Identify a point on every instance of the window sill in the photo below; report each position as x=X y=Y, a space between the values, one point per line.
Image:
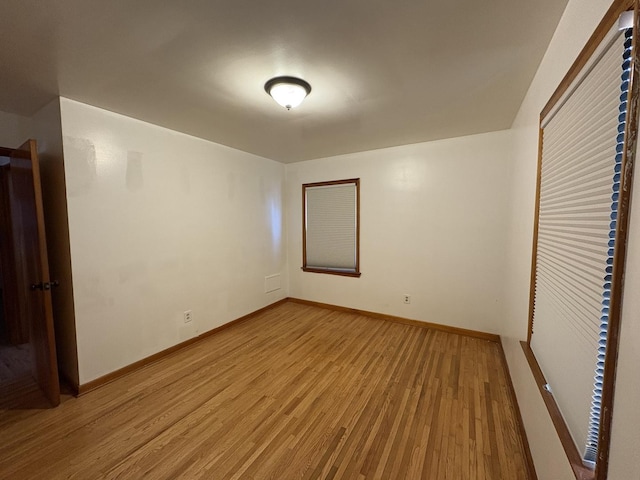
x=331 y=272
x=579 y=470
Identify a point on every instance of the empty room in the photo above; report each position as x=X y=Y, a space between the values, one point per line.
x=344 y=240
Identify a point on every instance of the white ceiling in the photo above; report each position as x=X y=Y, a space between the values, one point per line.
x=383 y=72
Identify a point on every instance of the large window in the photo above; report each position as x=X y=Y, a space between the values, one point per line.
x=587 y=143
x=331 y=227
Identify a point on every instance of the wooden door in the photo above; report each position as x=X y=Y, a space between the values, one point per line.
x=16 y=328
x=33 y=285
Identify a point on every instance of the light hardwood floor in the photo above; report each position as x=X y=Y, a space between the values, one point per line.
x=296 y=392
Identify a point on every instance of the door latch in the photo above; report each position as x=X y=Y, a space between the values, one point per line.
x=45 y=285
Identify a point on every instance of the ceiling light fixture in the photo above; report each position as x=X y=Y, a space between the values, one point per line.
x=287 y=91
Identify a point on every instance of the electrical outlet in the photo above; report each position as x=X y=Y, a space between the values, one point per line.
x=187 y=316
x=406 y=298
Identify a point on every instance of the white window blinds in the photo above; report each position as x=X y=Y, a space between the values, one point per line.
x=577 y=211
x=331 y=227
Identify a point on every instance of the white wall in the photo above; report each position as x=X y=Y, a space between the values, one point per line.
x=625 y=442
x=14 y=130
x=432 y=222
x=161 y=222
x=577 y=24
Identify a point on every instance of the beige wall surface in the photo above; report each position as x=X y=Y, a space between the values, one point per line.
x=160 y=223
x=14 y=130
x=625 y=440
x=433 y=217
x=577 y=24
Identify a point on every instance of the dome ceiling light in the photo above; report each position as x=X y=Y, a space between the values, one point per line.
x=287 y=91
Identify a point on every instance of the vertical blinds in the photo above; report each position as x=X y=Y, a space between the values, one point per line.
x=331 y=215
x=574 y=247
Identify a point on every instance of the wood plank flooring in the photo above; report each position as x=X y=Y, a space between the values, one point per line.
x=15 y=362
x=298 y=392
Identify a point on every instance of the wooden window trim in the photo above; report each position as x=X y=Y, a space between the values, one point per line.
x=622 y=227
x=331 y=272
x=608 y=21
x=306 y=268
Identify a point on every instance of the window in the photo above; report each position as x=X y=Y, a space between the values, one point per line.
x=587 y=143
x=331 y=227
